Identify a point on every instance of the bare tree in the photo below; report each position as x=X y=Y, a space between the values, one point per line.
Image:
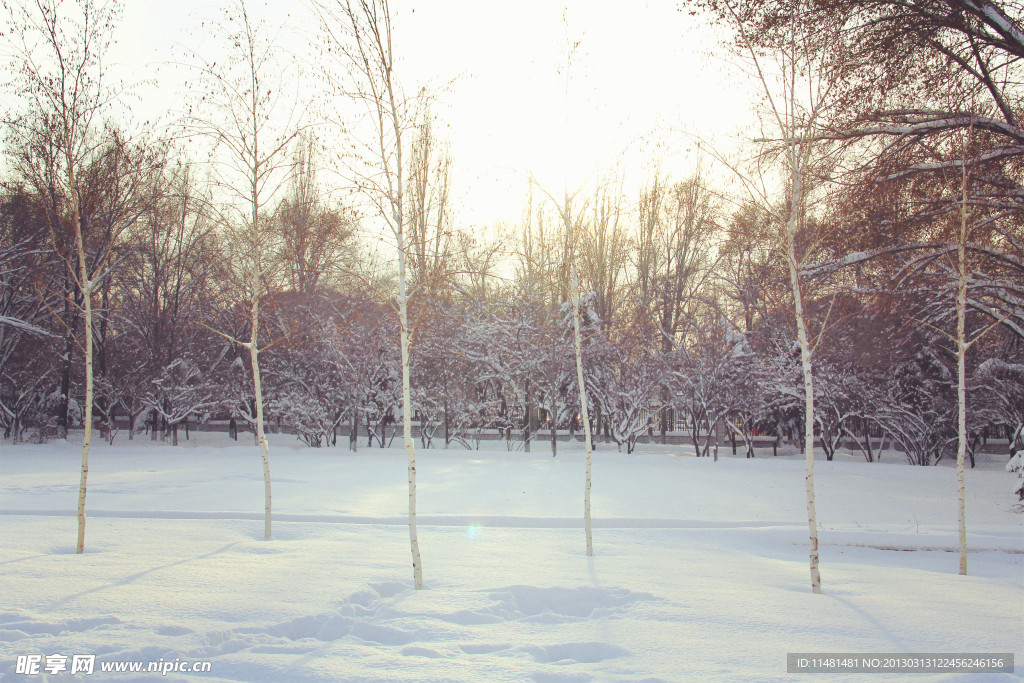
x=316 y=238
x=360 y=35
x=927 y=74
x=961 y=265
x=748 y=273
x=572 y=223
x=798 y=88
x=674 y=259
x=167 y=268
x=25 y=336
x=603 y=253
x=91 y=180
x=245 y=110
x=429 y=239
x=540 y=254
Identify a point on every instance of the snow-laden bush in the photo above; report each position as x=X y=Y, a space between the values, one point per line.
x=624 y=380
x=183 y=390
x=313 y=419
x=1016 y=466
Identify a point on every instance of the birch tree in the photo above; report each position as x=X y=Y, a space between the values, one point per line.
x=929 y=71
x=570 y=220
x=91 y=179
x=962 y=344
x=247 y=107
x=961 y=264
x=964 y=259
x=798 y=87
x=359 y=33
x=576 y=302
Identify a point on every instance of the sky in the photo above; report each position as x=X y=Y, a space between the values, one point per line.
x=644 y=78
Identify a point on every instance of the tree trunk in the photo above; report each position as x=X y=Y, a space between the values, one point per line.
x=664 y=415
x=447 y=434
x=410 y=449
x=111 y=423
x=961 y=380
x=87 y=417
x=717 y=430
x=87 y=411
x=261 y=437
x=353 y=434
x=554 y=430
x=71 y=318
x=578 y=342
x=867 y=439
x=805 y=363
x=527 y=417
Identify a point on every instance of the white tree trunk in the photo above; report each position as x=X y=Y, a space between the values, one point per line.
x=961 y=395
x=578 y=341
x=398 y=215
x=805 y=363
x=961 y=379
x=86 y=287
x=372 y=60
x=261 y=436
x=812 y=515
x=797 y=129
x=584 y=415
x=87 y=416
x=410 y=448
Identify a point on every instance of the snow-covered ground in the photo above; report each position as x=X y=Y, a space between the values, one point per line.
x=700 y=567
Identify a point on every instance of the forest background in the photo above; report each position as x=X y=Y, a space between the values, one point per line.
x=235 y=255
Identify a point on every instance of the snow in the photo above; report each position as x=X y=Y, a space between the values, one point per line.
x=700 y=568
x=19 y=324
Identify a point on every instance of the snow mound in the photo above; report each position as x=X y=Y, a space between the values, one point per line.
x=16 y=627
x=561 y=605
x=575 y=653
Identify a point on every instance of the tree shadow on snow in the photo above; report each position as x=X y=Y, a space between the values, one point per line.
x=131 y=578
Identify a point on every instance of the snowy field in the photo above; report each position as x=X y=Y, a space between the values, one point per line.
x=700 y=568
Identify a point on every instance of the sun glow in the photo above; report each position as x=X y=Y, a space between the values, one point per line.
x=562 y=96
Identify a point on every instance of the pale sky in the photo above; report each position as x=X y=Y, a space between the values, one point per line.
x=643 y=73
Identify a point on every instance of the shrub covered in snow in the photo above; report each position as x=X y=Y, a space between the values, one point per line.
x=1016 y=466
